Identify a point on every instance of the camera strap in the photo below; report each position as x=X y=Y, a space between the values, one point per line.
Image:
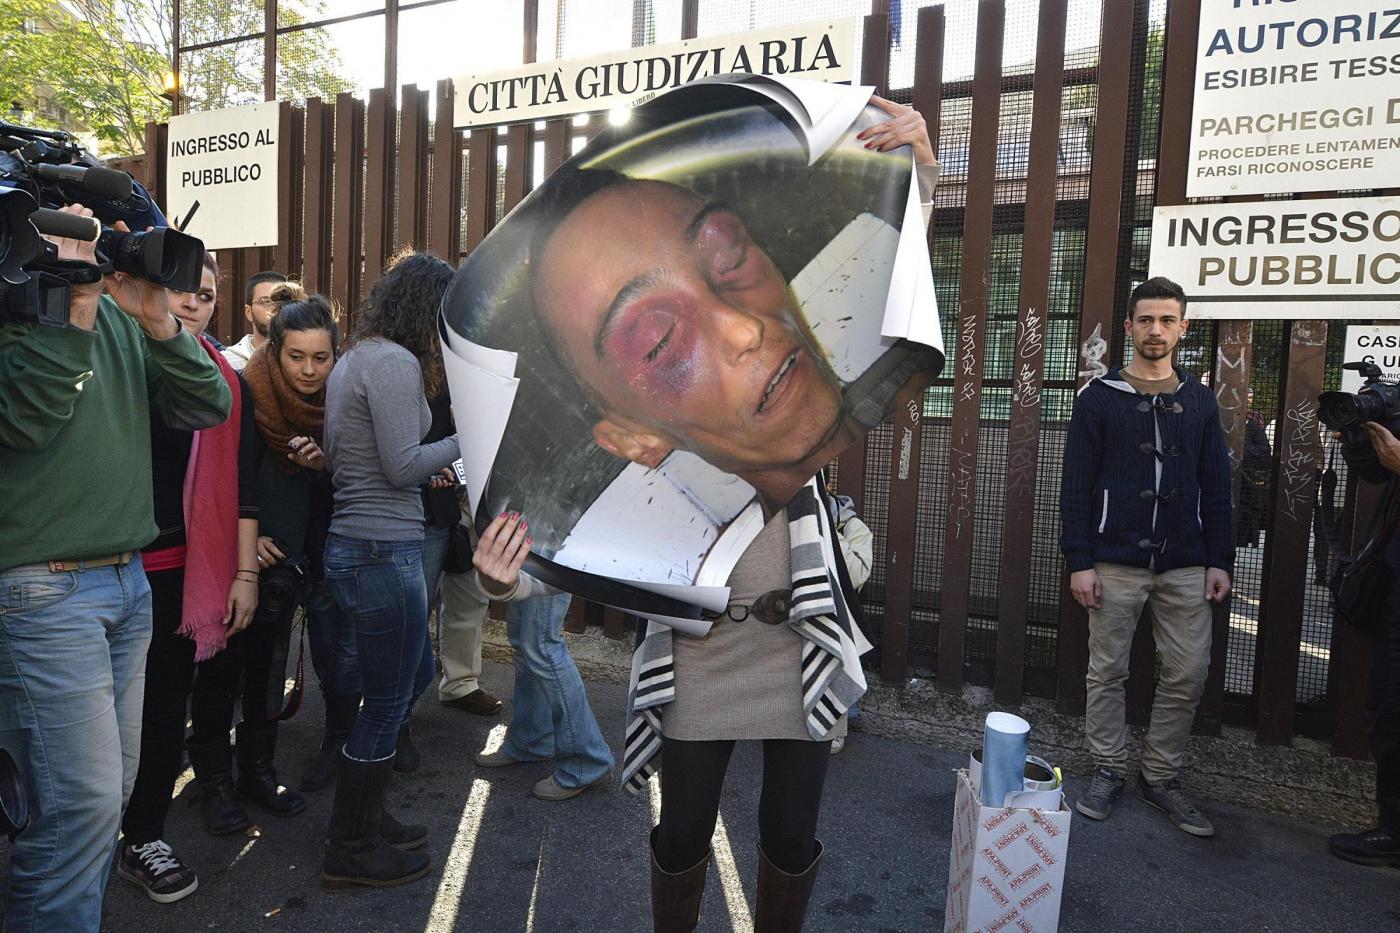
x=74 y=271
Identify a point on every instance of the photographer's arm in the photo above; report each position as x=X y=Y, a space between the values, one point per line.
x=1213 y=479
x=43 y=369
x=1363 y=458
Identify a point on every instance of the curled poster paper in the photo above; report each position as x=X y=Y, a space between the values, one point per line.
x=687 y=320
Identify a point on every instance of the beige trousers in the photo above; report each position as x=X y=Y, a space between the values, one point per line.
x=461 y=613
x=1181 y=622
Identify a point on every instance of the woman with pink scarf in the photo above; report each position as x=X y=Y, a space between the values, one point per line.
x=204 y=587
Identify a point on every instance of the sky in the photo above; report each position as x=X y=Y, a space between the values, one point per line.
x=455 y=38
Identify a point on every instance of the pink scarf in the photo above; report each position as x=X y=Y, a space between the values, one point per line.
x=211 y=523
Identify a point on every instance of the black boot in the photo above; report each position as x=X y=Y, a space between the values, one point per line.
x=354 y=852
x=404 y=836
x=406 y=757
x=213 y=770
x=676 y=896
x=257 y=778
x=782 y=898
x=341 y=711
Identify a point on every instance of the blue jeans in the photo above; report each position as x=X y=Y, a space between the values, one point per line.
x=72 y=676
x=379 y=587
x=550 y=714
x=332 y=638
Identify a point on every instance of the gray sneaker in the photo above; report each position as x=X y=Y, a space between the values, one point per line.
x=1171 y=799
x=1097 y=802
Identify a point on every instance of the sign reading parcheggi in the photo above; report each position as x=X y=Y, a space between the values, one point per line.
x=225 y=162
x=1295 y=95
x=821 y=51
x=1283 y=259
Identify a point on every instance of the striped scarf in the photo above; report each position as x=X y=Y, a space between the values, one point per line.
x=831 y=679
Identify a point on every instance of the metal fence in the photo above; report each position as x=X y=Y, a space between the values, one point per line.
x=1052 y=168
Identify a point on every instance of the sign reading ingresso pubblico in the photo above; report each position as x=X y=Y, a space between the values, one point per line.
x=1295 y=95
x=823 y=51
x=1335 y=259
x=221 y=175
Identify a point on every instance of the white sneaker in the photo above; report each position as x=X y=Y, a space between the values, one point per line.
x=837 y=745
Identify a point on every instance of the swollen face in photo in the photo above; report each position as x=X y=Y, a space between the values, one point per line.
x=683 y=332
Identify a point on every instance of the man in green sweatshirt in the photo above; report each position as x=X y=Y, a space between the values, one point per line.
x=75 y=608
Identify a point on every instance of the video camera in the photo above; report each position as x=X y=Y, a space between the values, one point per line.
x=1377 y=401
x=42 y=170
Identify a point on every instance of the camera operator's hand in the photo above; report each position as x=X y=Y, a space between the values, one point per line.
x=1386 y=445
x=1217 y=585
x=82 y=299
x=145 y=301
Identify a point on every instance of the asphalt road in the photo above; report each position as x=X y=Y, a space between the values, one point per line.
x=504 y=861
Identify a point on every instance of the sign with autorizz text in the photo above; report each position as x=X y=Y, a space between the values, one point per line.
x=1337 y=258
x=823 y=51
x=1371 y=343
x=221 y=175
x=1295 y=95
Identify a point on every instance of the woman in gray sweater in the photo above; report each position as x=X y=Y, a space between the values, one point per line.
x=376 y=416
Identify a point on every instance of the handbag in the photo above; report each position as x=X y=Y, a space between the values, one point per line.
x=1361 y=583
x=459 y=550
x=278 y=597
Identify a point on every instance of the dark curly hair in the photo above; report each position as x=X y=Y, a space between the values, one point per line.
x=403 y=306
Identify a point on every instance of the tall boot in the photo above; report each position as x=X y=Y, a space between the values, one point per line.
x=401 y=835
x=257 y=778
x=406 y=755
x=213 y=771
x=355 y=854
x=342 y=709
x=782 y=898
x=676 y=896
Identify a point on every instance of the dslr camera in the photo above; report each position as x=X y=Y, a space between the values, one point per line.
x=1377 y=401
x=43 y=170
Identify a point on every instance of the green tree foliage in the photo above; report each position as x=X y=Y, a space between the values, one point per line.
x=308 y=64
x=104 y=62
x=101 y=74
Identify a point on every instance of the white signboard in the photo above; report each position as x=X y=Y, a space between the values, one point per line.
x=1372 y=343
x=221 y=176
x=823 y=51
x=1295 y=95
x=1336 y=258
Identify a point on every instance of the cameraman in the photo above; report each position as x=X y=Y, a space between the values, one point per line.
x=1377 y=460
x=75 y=608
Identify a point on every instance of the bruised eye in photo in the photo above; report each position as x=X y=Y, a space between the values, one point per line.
x=727 y=251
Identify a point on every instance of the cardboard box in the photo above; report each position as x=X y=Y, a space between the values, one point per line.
x=1007 y=867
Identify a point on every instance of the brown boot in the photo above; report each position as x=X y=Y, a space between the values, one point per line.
x=675 y=898
x=782 y=898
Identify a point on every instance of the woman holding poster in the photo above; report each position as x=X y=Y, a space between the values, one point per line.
x=684 y=334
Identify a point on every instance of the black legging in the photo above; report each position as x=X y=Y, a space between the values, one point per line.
x=692 y=775
x=169 y=672
x=243 y=669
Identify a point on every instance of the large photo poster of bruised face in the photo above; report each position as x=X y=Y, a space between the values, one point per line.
x=683 y=324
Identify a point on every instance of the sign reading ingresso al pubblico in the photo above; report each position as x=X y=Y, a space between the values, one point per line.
x=1295 y=95
x=1337 y=258
x=823 y=51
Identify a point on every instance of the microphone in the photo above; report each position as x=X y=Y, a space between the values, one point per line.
x=60 y=223
x=106 y=182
